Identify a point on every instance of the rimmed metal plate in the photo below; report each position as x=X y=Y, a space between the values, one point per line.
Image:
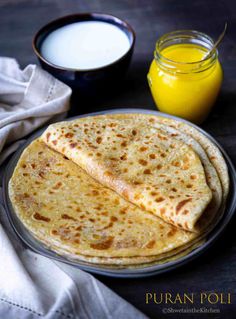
x=150 y=270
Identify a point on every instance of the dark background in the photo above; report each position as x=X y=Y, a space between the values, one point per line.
x=215 y=271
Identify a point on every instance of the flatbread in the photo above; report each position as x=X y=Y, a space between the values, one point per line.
x=40 y=201
x=141 y=163
x=211 y=150
x=214 y=154
x=40 y=169
x=213 y=178
x=134 y=262
x=64 y=207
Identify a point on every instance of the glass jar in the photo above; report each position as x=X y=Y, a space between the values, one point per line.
x=182 y=81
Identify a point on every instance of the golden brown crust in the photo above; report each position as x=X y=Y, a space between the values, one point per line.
x=60 y=204
x=149 y=157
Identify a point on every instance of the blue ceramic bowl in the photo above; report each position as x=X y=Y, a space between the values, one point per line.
x=91 y=81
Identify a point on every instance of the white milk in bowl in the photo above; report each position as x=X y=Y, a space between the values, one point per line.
x=85 y=45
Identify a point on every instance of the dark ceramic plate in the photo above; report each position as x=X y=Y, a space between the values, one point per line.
x=150 y=270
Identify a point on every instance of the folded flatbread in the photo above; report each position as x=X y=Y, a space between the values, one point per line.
x=212 y=151
x=142 y=163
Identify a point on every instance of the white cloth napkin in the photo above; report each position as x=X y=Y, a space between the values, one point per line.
x=33 y=286
x=28 y=99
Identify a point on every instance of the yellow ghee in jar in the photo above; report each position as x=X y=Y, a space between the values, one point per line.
x=190 y=88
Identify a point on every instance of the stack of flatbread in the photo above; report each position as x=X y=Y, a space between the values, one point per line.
x=121 y=190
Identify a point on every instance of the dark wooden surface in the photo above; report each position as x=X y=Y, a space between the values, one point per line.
x=19 y=20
